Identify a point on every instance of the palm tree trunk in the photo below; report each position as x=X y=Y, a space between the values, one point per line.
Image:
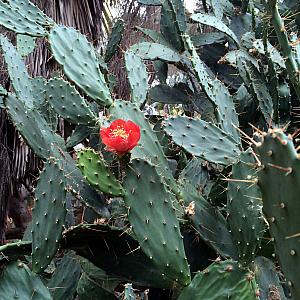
x=5 y=177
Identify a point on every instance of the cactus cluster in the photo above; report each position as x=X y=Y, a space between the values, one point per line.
x=211 y=177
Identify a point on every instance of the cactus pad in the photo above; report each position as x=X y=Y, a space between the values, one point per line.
x=154 y=222
x=18 y=282
x=97 y=174
x=64 y=280
x=68 y=103
x=203 y=139
x=17 y=71
x=13 y=19
x=137 y=76
x=279 y=182
x=72 y=50
x=48 y=215
x=244 y=207
x=222 y=280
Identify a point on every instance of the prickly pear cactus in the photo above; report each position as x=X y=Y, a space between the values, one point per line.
x=244 y=207
x=18 y=282
x=222 y=280
x=182 y=204
x=97 y=174
x=152 y=216
x=69 y=47
x=48 y=216
x=278 y=180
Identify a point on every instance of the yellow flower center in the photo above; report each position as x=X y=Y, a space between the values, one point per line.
x=119 y=131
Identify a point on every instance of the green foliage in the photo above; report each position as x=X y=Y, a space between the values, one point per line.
x=267 y=278
x=215 y=23
x=209 y=222
x=154 y=51
x=258 y=88
x=153 y=219
x=13 y=251
x=79 y=134
x=163 y=93
x=48 y=215
x=93 y=276
x=69 y=48
x=222 y=280
x=64 y=280
x=79 y=187
x=41 y=93
x=115 y=39
x=90 y=289
x=18 y=282
x=17 y=71
x=97 y=174
x=196 y=173
x=33 y=127
x=12 y=17
x=137 y=76
x=216 y=92
x=25 y=44
x=244 y=207
x=287 y=47
x=204 y=39
x=32 y=12
x=188 y=192
x=203 y=139
x=154 y=36
x=278 y=181
x=173 y=22
x=68 y=103
x=110 y=248
x=150 y=2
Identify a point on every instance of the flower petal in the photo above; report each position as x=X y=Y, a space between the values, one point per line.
x=117 y=123
x=118 y=143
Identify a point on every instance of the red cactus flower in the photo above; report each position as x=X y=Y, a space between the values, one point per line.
x=121 y=136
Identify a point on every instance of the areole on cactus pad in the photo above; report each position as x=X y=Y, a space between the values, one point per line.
x=121 y=136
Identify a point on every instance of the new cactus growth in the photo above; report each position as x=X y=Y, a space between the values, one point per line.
x=97 y=174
